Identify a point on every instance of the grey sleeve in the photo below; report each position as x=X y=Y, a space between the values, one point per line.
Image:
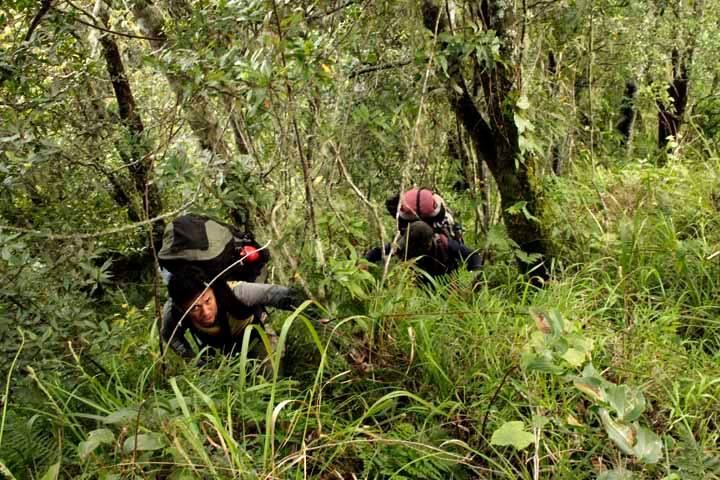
x=173 y=334
x=268 y=295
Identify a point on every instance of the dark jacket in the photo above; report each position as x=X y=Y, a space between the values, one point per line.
x=446 y=256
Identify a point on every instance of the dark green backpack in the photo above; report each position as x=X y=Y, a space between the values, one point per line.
x=213 y=246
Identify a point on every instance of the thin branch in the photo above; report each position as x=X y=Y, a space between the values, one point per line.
x=44 y=8
x=376 y=68
x=331 y=11
x=111 y=231
x=492 y=400
x=103 y=29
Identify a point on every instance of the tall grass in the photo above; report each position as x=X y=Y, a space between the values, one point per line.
x=415 y=386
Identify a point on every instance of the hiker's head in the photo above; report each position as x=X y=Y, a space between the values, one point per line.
x=419 y=203
x=188 y=290
x=417 y=240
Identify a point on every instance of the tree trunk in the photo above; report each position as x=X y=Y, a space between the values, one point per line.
x=555 y=154
x=137 y=154
x=670 y=116
x=627 y=114
x=497 y=140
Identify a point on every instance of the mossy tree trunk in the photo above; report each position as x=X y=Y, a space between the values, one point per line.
x=496 y=139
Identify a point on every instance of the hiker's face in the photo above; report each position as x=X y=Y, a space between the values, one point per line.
x=204 y=310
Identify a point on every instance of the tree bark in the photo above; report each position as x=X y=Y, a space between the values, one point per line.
x=670 y=115
x=627 y=113
x=137 y=154
x=497 y=140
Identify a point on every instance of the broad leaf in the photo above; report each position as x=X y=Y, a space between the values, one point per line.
x=615 y=474
x=648 y=448
x=95 y=439
x=121 y=416
x=512 y=433
x=531 y=361
x=574 y=357
x=623 y=435
x=145 y=442
x=628 y=404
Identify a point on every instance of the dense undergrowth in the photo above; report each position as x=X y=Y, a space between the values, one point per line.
x=408 y=382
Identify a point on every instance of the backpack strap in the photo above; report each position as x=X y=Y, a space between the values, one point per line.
x=417 y=202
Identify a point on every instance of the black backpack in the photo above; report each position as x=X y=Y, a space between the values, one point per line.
x=211 y=245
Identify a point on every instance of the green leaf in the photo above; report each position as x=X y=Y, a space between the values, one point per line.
x=590 y=387
x=513 y=434
x=628 y=403
x=648 y=448
x=145 y=442
x=523 y=103
x=539 y=421
x=591 y=383
x=623 y=435
x=531 y=361
x=121 y=416
x=574 y=357
x=95 y=439
x=52 y=472
x=615 y=474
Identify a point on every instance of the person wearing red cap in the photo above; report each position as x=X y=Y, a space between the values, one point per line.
x=426 y=205
x=428 y=234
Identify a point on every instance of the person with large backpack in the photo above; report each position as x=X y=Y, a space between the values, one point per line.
x=210 y=267
x=213 y=246
x=434 y=253
x=426 y=205
x=428 y=233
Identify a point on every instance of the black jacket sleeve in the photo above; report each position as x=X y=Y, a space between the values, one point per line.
x=374 y=255
x=472 y=258
x=174 y=334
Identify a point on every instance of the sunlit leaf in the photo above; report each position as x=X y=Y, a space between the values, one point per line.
x=615 y=474
x=628 y=403
x=574 y=357
x=623 y=435
x=512 y=434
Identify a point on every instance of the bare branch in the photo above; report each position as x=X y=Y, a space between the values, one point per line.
x=376 y=68
x=44 y=8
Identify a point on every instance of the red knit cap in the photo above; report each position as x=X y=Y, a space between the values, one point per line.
x=420 y=202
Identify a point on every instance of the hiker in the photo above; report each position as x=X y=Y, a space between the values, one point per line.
x=217 y=248
x=426 y=205
x=436 y=253
x=217 y=314
x=199 y=256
